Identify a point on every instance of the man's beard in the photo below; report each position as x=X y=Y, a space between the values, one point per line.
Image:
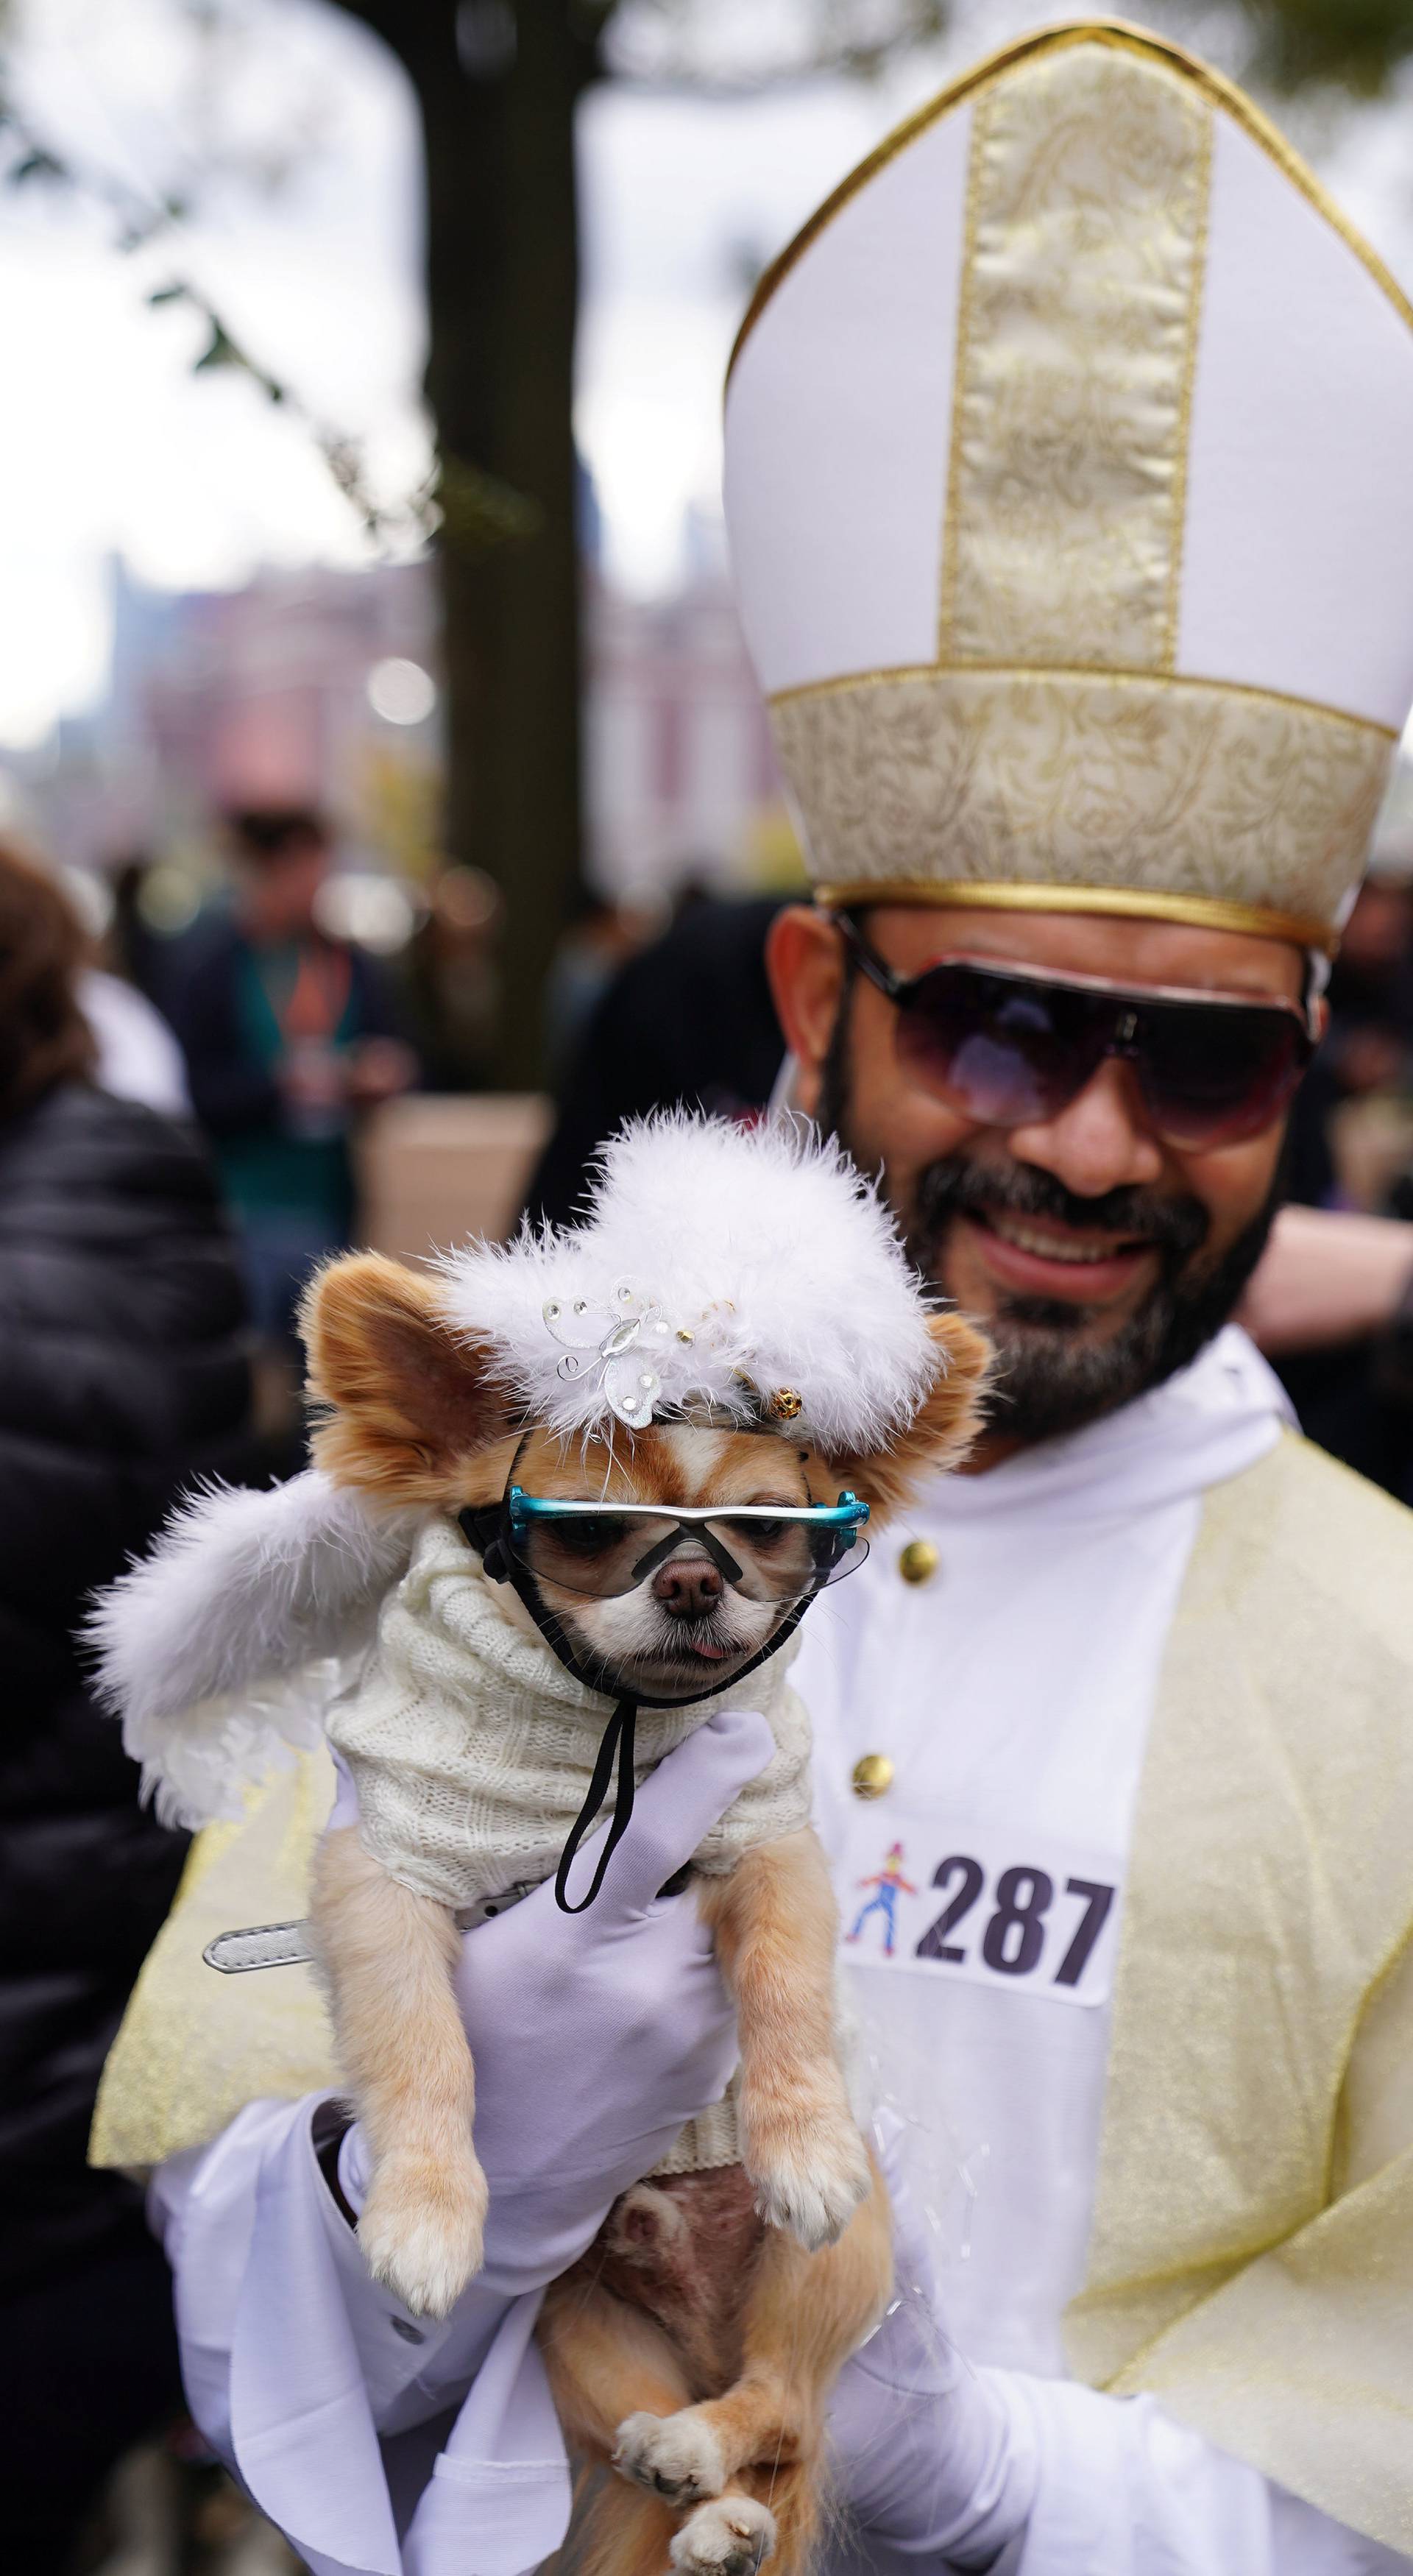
x=1049 y=1378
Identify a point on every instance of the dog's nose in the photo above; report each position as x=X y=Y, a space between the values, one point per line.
x=687 y=1585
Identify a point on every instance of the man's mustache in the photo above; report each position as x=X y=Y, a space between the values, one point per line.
x=956 y=1185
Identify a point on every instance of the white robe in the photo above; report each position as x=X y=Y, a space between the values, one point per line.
x=1013 y=1693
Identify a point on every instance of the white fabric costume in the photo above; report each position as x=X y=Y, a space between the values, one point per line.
x=1014 y=1693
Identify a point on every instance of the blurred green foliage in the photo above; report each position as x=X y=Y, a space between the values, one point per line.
x=1358 y=43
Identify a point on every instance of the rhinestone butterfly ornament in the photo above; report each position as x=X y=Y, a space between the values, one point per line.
x=621 y=1342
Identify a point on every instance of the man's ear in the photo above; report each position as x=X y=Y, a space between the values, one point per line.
x=941 y=1431
x=804 y=960
x=411 y=1397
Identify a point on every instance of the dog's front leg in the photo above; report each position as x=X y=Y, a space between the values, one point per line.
x=389 y=1955
x=776 y=1933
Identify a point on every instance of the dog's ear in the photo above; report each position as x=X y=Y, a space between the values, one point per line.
x=411 y=1397
x=941 y=1431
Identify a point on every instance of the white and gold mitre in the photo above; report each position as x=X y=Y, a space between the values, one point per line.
x=1069 y=480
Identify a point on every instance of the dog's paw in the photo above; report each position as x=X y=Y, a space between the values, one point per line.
x=677 y=2456
x=731 y=2537
x=810 y=2174
x=422 y=2226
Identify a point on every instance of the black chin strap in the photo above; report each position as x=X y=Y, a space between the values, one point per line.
x=616 y=1744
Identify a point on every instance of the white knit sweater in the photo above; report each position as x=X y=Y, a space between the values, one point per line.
x=471 y=1750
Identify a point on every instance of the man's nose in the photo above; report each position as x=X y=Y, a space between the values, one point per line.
x=687 y=1585
x=1101 y=1140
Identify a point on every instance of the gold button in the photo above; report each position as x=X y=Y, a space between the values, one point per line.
x=872 y=1775
x=919 y=1561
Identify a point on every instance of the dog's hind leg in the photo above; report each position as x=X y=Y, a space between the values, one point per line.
x=388 y=1955
x=605 y=2359
x=804 y=2315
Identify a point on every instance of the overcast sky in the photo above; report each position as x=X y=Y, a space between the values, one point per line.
x=107 y=441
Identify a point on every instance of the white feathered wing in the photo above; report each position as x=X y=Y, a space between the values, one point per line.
x=221 y=1651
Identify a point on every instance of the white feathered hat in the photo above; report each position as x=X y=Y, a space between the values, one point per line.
x=745 y=1269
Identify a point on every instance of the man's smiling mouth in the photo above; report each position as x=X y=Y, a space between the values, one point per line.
x=1049 y=1246
x=1022 y=1255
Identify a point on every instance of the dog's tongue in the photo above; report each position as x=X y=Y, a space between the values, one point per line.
x=711 y=1654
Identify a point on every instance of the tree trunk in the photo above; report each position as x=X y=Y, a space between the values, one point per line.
x=502 y=286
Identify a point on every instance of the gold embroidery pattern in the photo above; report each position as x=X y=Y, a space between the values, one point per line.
x=1081 y=283
x=1086 y=780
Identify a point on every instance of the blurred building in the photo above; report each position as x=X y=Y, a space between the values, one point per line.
x=302 y=687
x=320 y=686
x=681 y=779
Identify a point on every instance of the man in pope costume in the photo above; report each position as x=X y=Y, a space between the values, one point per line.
x=1070 y=491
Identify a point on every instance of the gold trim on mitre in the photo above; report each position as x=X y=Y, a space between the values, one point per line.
x=1195 y=912
x=1127 y=792
x=1111 y=672
x=1125 y=36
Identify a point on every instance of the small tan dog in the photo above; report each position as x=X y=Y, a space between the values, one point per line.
x=628 y=1476
x=694 y=2394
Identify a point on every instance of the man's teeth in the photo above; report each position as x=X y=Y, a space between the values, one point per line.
x=1051 y=1247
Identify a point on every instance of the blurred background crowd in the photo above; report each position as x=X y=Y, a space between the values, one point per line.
x=386 y=808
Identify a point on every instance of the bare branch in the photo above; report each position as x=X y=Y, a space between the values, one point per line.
x=774 y=82
x=854 y=39
x=141 y=220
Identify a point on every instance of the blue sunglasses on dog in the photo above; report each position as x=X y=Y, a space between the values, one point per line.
x=766 y=1551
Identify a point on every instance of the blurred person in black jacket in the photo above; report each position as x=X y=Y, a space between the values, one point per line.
x=687 y=1023
x=122 y=1373
x=1354 y=1395
x=288 y=1034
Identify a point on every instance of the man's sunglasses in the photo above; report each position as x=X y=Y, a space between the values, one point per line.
x=1009 y=1046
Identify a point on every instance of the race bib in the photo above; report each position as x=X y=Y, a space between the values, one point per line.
x=989 y=1903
